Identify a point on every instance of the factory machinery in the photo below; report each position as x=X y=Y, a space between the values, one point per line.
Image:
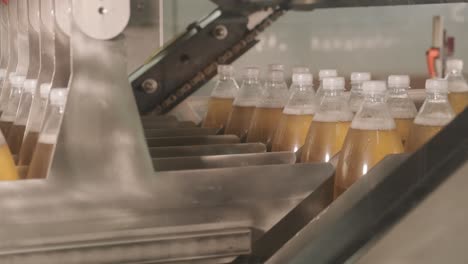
x=128 y=187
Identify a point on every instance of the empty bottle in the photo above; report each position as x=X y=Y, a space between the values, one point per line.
x=356 y=97
x=222 y=97
x=269 y=109
x=45 y=148
x=18 y=129
x=322 y=75
x=457 y=86
x=244 y=104
x=297 y=115
x=34 y=126
x=330 y=124
x=8 y=170
x=434 y=114
x=370 y=139
x=9 y=113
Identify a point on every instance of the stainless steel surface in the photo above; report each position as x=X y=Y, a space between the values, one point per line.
x=168 y=124
x=180 y=132
x=4 y=40
x=187 y=151
x=23 y=37
x=33 y=37
x=192 y=141
x=223 y=161
x=62 y=71
x=150 y=118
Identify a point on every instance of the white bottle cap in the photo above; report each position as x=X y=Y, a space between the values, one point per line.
x=44 y=90
x=437 y=86
x=58 y=96
x=252 y=72
x=276 y=67
x=17 y=80
x=360 y=76
x=300 y=69
x=30 y=85
x=374 y=87
x=302 y=78
x=277 y=76
x=327 y=73
x=399 y=81
x=454 y=64
x=227 y=70
x=333 y=83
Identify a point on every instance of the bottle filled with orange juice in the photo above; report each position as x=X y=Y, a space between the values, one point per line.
x=45 y=148
x=244 y=104
x=9 y=113
x=34 y=125
x=269 y=109
x=297 y=114
x=322 y=75
x=370 y=139
x=457 y=86
x=356 y=97
x=18 y=129
x=401 y=107
x=434 y=114
x=8 y=170
x=222 y=97
x=330 y=124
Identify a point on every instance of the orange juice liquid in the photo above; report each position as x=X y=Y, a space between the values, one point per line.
x=15 y=138
x=5 y=127
x=8 y=170
x=291 y=132
x=218 y=112
x=263 y=126
x=27 y=148
x=403 y=126
x=420 y=135
x=40 y=163
x=458 y=101
x=239 y=121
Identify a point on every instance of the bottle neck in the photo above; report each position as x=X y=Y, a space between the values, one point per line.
x=455 y=73
x=251 y=81
x=436 y=97
x=303 y=87
x=374 y=98
x=225 y=77
x=356 y=86
x=397 y=91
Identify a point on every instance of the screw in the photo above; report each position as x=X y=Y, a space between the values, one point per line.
x=150 y=86
x=220 y=32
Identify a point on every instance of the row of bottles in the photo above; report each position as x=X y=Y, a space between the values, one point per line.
x=358 y=131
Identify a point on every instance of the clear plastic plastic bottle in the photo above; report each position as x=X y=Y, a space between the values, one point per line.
x=401 y=106
x=322 y=75
x=370 y=139
x=8 y=170
x=244 y=104
x=268 y=109
x=434 y=114
x=45 y=148
x=18 y=129
x=330 y=124
x=3 y=73
x=222 y=97
x=356 y=97
x=297 y=115
x=457 y=85
x=34 y=126
x=296 y=71
x=9 y=113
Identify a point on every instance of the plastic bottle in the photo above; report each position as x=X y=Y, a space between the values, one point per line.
x=434 y=114
x=34 y=126
x=18 y=129
x=45 y=148
x=330 y=124
x=244 y=104
x=8 y=170
x=296 y=71
x=9 y=113
x=269 y=109
x=356 y=97
x=457 y=85
x=297 y=115
x=371 y=138
x=322 y=75
x=222 y=97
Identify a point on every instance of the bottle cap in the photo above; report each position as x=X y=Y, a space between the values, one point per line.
x=454 y=64
x=276 y=76
x=327 y=73
x=227 y=70
x=300 y=69
x=44 y=90
x=399 y=81
x=334 y=83
x=30 y=85
x=437 y=85
x=374 y=87
x=58 y=96
x=276 y=67
x=252 y=72
x=17 y=80
x=360 y=76
x=302 y=78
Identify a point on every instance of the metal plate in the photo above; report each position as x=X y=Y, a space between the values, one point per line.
x=180 y=132
x=192 y=141
x=223 y=161
x=158 y=118
x=167 y=124
x=187 y=151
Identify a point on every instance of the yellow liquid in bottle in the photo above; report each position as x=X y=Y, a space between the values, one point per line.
x=291 y=132
x=27 y=148
x=5 y=127
x=325 y=140
x=239 y=121
x=362 y=150
x=8 y=170
x=218 y=112
x=420 y=135
x=458 y=101
x=263 y=126
x=403 y=126
x=15 y=138
x=41 y=161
